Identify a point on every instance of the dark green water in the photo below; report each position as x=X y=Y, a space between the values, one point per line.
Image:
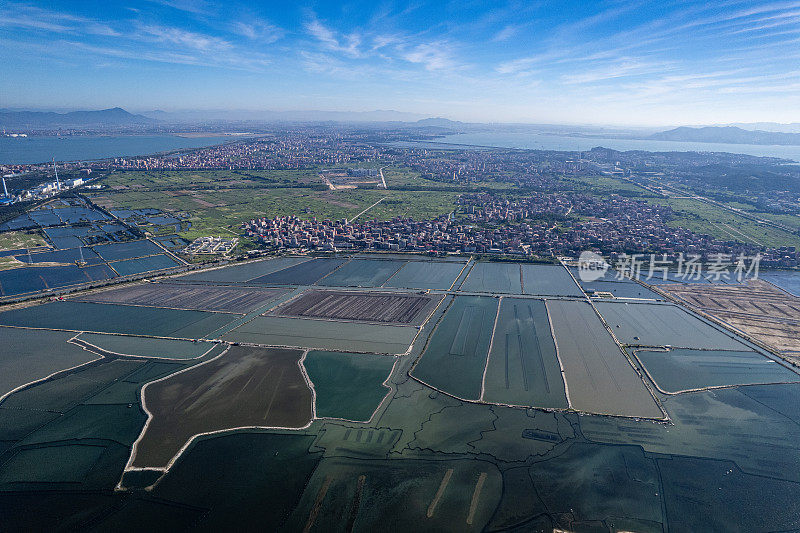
x=727 y=460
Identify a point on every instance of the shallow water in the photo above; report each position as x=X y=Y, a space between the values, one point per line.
x=27 y=150
x=543 y=141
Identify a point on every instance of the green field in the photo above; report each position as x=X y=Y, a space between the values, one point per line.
x=702 y=217
x=166 y=180
x=607 y=185
x=9 y=262
x=221 y=212
x=405 y=178
x=217 y=202
x=14 y=240
x=725 y=225
x=792 y=221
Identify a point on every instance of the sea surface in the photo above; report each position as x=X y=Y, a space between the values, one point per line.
x=543 y=141
x=26 y=150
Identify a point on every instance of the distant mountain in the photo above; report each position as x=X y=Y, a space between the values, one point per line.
x=227 y=115
x=793 y=127
x=156 y=114
x=438 y=121
x=727 y=135
x=44 y=119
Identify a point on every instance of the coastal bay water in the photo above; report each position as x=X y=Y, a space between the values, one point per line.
x=27 y=150
x=544 y=141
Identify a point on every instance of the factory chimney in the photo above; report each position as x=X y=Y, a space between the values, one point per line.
x=58 y=183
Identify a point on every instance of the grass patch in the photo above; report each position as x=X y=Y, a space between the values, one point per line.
x=14 y=240
x=9 y=262
x=605 y=186
x=704 y=218
x=213 y=179
x=220 y=211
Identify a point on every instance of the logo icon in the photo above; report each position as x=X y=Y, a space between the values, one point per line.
x=591 y=266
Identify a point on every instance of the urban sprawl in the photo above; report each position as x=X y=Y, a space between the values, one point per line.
x=543 y=218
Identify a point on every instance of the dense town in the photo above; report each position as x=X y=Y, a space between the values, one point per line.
x=538 y=226
x=320 y=147
x=545 y=217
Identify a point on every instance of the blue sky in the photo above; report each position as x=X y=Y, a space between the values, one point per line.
x=613 y=62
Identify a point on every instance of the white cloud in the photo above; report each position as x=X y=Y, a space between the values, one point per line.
x=434 y=56
x=197 y=7
x=223 y=60
x=516 y=65
x=347 y=44
x=618 y=69
x=184 y=38
x=506 y=33
x=35 y=18
x=258 y=30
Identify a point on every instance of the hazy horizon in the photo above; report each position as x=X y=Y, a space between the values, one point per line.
x=605 y=63
x=237 y=115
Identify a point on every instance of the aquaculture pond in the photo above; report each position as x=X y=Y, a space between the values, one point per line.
x=680 y=369
x=243 y=272
x=494 y=278
x=348 y=385
x=324 y=334
x=455 y=356
x=425 y=275
x=362 y=273
x=523 y=368
x=647 y=324
x=495 y=412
